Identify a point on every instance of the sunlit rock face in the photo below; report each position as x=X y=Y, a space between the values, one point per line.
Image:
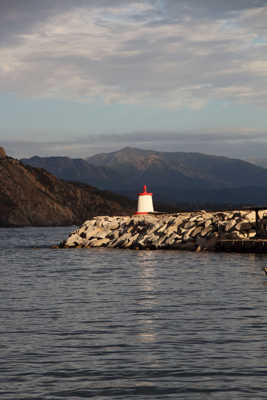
x=33 y=197
x=188 y=231
x=2 y=152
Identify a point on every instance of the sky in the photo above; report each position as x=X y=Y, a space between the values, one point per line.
x=80 y=77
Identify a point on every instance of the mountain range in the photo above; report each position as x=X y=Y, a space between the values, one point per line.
x=174 y=177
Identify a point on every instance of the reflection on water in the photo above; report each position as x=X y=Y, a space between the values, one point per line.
x=121 y=324
x=146 y=260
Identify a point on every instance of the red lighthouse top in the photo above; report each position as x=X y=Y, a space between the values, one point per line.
x=145 y=193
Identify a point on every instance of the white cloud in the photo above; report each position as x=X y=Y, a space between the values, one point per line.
x=141 y=53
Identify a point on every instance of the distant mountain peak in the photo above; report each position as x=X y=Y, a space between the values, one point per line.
x=172 y=176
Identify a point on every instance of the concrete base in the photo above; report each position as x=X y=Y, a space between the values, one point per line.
x=243 y=246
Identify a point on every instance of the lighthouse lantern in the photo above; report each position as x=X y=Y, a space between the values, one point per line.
x=145 y=202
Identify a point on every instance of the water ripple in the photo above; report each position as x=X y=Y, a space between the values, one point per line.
x=112 y=324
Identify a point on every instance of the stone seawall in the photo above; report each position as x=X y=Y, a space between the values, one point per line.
x=186 y=231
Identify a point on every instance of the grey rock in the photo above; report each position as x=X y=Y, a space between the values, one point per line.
x=187 y=235
x=189 y=224
x=163 y=229
x=252 y=233
x=206 y=231
x=171 y=229
x=238 y=235
x=74 y=238
x=100 y=242
x=196 y=232
x=114 y=225
x=230 y=225
x=131 y=242
x=251 y=216
x=243 y=226
x=208 y=223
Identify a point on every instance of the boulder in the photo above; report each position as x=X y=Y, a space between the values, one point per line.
x=189 y=224
x=171 y=229
x=252 y=233
x=238 y=235
x=251 y=216
x=243 y=226
x=230 y=225
x=196 y=231
x=99 y=242
x=187 y=234
x=208 y=223
x=206 y=231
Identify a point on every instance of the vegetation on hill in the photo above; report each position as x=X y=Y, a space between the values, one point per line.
x=33 y=196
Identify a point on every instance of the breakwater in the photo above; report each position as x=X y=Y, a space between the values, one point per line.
x=196 y=231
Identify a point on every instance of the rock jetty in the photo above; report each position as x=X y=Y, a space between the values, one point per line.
x=186 y=231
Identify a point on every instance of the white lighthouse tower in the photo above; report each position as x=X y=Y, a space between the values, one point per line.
x=145 y=202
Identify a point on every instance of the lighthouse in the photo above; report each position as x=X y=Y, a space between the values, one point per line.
x=145 y=202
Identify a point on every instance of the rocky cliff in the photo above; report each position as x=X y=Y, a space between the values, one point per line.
x=32 y=196
x=2 y=152
x=187 y=231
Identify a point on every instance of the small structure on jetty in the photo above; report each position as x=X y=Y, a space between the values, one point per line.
x=252 y=244
x=261 y=222
x=145 y=202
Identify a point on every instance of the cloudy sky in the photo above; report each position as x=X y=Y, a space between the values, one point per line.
x=79 y=77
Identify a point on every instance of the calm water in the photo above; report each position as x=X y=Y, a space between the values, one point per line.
x=119 y=324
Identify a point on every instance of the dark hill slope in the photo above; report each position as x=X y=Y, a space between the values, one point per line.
x=32 y=196
x=195 y=168
x=190 y=177
x=72 y=169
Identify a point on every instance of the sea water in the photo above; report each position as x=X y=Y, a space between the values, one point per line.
x=127 y=324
